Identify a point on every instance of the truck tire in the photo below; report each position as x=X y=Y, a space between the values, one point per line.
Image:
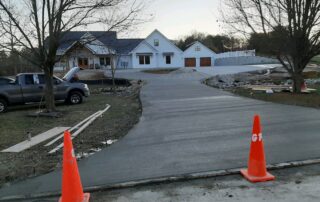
x=75 y=97
x=3 y=105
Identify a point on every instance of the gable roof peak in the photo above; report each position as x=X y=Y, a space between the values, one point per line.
x=199 y=43
x=157 y=31
x=146 y=43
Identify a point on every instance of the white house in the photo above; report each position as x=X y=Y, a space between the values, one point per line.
x=156 y=51
x=198 y=55
x=94 y=50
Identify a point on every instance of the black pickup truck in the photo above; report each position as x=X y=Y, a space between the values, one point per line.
x=29 y=88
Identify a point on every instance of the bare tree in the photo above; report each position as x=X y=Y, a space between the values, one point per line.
x=295 y=23
x=38 y=26
x=113 y=67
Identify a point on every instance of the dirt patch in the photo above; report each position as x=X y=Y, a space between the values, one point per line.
x=160 y=71
x=85 y=74
x=113 y=125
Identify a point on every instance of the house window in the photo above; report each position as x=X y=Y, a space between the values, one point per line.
x=102 y=61
x=168 y=59
x=147 y=60
x=156 y=42
x=105 y=61
x=144 y=59
x=141 y=60
x=108 y=61
x=198 y=48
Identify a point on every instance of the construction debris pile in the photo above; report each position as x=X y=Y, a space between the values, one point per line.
x=268 y=81
x=132 y=89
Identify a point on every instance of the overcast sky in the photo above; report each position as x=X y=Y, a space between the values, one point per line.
x=175 y=18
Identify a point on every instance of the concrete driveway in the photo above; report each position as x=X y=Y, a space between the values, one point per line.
x=187 y=127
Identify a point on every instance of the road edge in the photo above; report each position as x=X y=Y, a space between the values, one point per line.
x=182 y=177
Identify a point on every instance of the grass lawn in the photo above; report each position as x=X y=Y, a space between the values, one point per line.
x=114 y=124
x=159 y=71
x=307 y=100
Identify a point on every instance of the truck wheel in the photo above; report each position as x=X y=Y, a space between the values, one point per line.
x=74 y=98
x=3 y=105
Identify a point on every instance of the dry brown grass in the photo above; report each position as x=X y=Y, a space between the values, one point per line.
x=307 y=100
x=116 y=122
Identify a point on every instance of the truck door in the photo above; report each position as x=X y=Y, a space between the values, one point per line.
x=32 y=90
x=60 y=89
x=14 y=90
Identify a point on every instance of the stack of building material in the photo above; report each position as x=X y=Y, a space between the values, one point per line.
x=32 y=141
x=78 y=128
x=57 y=131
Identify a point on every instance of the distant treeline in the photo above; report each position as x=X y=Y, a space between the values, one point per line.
x=11 y=64
x=263 y=44
x=217 y=43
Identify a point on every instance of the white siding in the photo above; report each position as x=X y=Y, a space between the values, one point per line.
x=202 y=53
x=144 y=48
x=165 y=46
x=124 y=62
x=158 y=59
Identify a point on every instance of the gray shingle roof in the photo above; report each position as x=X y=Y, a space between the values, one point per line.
x=125 y=46
x=122 y=46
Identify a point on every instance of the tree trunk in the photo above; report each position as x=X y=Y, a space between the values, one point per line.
x=49 y=93
x=297 y=82
x=113 y=71
x=113 y=82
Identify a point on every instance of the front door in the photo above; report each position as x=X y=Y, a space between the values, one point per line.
x=83 y=63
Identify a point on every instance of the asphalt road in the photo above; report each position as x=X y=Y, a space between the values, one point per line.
x=187 y=127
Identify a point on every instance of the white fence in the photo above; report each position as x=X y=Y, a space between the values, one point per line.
x=236 y=54
x=244 y=60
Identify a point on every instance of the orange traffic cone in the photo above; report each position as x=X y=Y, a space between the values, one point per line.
x=257 y=171
x=71 y=183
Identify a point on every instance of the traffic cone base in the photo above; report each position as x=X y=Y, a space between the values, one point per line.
x=251 y=178
x=86 y=198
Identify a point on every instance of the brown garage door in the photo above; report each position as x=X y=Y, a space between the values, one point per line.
x=190 y=62
x=205 y=62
